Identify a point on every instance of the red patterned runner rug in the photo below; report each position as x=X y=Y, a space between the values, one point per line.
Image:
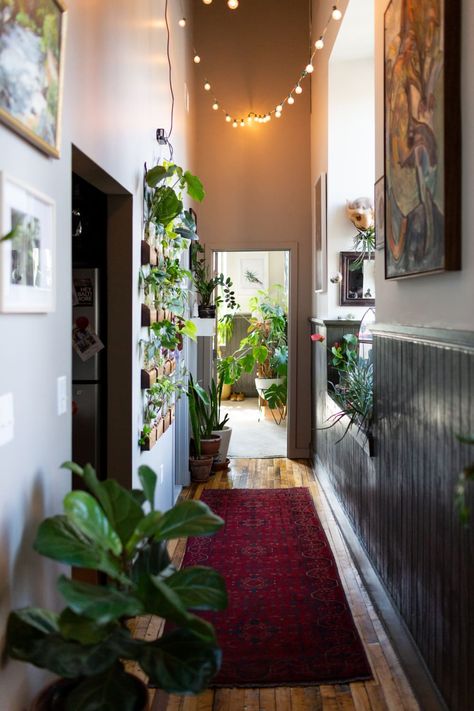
x=288 y=622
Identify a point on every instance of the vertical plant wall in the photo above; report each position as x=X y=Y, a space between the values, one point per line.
x=169 y=230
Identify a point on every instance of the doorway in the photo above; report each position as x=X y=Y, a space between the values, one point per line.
x=102 y=320
x=253 y=339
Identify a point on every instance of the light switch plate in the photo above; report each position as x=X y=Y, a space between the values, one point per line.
x=62 y=394
x=6 y=418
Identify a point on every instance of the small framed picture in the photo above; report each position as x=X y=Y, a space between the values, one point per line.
x=27 y=255
x=379 y=202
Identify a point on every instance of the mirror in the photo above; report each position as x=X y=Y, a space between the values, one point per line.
x=358 y=283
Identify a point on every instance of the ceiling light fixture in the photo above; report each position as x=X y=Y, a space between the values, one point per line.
x=233 y=4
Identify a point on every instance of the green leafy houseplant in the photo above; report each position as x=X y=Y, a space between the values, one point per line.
x=364 y=242
x=106 y=528
x=206 y=285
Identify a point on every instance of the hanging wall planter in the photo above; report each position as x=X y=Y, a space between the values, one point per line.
x=148 y=254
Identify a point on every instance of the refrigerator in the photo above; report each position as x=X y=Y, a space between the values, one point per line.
x=87 y=372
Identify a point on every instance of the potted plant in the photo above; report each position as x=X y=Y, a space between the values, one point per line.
x=106 y=528
x=199 y=464
x=201 y=402
x=206 y=285
x=265 y=348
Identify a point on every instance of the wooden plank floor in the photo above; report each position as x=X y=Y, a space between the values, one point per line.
x=389 y=690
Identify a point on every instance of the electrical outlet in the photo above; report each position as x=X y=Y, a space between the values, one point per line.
x=61 y=390
x=7 y=419
x=162 y=473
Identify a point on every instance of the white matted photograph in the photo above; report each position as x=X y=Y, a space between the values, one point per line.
x=27 y=255
x=254 y=273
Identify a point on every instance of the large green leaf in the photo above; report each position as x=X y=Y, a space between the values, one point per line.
x=113 y=690
x=247 y=362
x=85 y=512
x=199 y=588
x=81 y=629
x=179 y=662
x=101 y=603
x=166 y=205
x=148 y=480
x=158 y=173
x=194 y=186
x=151 y=560
x=93 y=484
x=260 y=353
x=29 y=640
x=188 y=518
x=60 y=539
x=125 y=510
x=146 y=528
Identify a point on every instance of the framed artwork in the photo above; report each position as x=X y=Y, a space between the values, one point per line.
x=27 y=258
x=422 y=137
x=358 y=279
x=320 y=234
x=254 y=273
x=32 y=42
x=379 y=211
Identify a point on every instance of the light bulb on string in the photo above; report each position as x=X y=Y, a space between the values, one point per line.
x=215 y=105
x=250 y=119
x=319 y=44
x=336 y=13
x=228 y=118
x=309 y=69
x=277 y=114
x=207 y=2
x=235 y=124
x=182 y=22
x=291 y=100
x=197 y=59
x=298 y=89
x=279 y=108
x=232 y=4
x=242 y=123
x=207 y=86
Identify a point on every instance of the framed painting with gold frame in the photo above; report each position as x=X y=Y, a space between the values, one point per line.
x=422 y=137
x=32 y=46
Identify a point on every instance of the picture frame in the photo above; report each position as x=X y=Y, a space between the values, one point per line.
x=320 y=267
x=28 y=258
x=253 y=273
x=422 y=137
x=357 y=287
x=379 y=213
x=33 y=36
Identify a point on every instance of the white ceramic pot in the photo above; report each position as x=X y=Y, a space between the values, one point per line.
x=263 y=384
x=225 y=435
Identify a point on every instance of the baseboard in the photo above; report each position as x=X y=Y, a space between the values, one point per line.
x=407 y=652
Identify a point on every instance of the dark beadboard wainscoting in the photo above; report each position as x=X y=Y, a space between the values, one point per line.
x=401 y=501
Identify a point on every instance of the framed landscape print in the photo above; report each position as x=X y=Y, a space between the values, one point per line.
x=320 y=234
x=27 y=258
x=32 y=38
x=422 y=137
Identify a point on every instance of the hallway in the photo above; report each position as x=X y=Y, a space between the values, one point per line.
x=389 y=690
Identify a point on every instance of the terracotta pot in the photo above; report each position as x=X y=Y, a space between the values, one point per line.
x=210 y=445
x=200 y=468
x=54 y=696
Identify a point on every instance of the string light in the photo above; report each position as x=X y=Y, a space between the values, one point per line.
x=297 y=89
x=182 y=22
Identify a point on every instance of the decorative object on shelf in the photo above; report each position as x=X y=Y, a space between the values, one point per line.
x=422 y=137
x=265 y=348
x=206 y=285
x=361 y=213
x=379 y=210
x=32 y=51
x=105 y=528
x=357 y=287
x=28 y=250
x=296 y=90
x=320 y=235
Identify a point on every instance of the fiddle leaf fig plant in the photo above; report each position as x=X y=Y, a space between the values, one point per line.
x=107 y=528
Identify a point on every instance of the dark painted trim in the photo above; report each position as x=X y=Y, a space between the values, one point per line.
x=334 y=321
x=405 y=648
x=448 y=338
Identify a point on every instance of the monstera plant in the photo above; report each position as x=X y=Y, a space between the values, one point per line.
x=119 y=532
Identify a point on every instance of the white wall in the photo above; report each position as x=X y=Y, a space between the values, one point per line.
x=116 y=95
x=274 y=273
x=445 y=300
x=351 y=162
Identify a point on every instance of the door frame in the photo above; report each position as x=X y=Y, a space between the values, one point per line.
x=293 y=452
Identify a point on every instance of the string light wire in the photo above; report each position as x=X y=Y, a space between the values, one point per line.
x=170 y=79
x=335 y=16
